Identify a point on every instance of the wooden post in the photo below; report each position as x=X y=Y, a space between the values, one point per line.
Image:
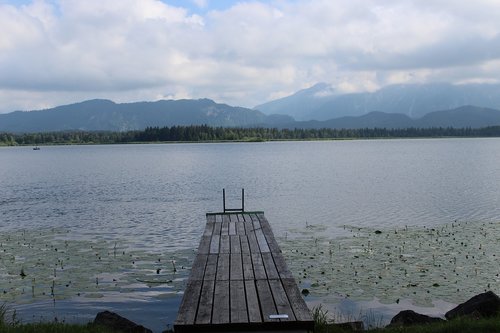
x=224 y=199
x=242 y=199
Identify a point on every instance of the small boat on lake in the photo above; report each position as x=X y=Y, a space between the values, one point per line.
x=36 y=148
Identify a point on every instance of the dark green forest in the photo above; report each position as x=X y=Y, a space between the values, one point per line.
x=205 y=133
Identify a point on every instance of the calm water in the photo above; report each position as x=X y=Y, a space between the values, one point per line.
x=155 y=196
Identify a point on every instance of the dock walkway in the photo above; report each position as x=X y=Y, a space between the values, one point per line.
x=240 y=281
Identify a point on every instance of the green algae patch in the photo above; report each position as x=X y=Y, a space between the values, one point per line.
x=46 y=264
x=451 y=262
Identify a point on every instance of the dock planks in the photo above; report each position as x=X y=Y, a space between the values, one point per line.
x=239 y=279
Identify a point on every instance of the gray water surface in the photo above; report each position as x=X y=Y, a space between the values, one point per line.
x=155 y=196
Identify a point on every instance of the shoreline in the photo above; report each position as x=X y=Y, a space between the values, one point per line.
x=244 y=141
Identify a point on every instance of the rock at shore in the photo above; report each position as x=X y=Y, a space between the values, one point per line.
x=409 y=317
x=485 y=305
x=119 y=323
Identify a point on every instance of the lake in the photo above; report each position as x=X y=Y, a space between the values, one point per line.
x=144 y=206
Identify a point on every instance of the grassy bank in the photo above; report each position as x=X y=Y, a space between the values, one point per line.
x=54 y=328
x=456 y=326
x=463 y=325
x=324 y=324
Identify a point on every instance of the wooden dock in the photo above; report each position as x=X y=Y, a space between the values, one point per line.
x=240 y=281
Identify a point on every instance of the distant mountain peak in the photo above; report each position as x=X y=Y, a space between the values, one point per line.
x=295 y=104
x=322 y=90
x=96 y=101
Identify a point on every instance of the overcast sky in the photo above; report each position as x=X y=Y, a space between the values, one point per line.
x=242 y=53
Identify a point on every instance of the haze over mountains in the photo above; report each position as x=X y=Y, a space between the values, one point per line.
x=398 y=106
x=322 y=102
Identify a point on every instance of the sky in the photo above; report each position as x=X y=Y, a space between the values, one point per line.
x=243 y=53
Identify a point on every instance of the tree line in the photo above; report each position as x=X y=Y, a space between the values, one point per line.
x=204 y=133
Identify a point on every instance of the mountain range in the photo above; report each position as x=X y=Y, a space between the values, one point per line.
x=398 y=106
x=462 y=117
x=322 y=102
x=105 y=115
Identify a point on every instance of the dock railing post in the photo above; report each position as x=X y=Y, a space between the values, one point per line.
x=224 y=199
x=242 y=199
x=242 y=209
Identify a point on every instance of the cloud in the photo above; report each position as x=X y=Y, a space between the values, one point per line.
x=201 y=3
x=59 y=51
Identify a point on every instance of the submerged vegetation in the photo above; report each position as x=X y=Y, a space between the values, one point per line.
x=451 y=262
x=204 y=133
x=49 y=264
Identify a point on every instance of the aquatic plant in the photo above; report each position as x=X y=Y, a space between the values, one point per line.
x=448 y=262
x=61 y=267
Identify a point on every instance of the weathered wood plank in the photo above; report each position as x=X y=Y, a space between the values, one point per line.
x=297 y=303
x=235 y=244
x=258 y=267
x=262 y=219
x=204 y=247
x=225 y=244
x=240 y=228
x=245 y=247
x=217 y=229
x=266 y=300
x=211 y=218
x=198 y=268
x=268 y=232
x=273 y=244
x=236 y=271
x=252 y=242
x=254 y=315
x=266 y=228
x=248 y=226
x=225 y=227
x=214 y=244
x=218 y=218
x=261 y=239
x=281 y=300
x=204 y=315
x=247 y=266
x=221 y=309
x=189 y=305
x=209 y=229
x=211 y=267
x=238 y=302
x=232 y=228
x=271 y=271
x=225 y=218
x=282 y=267
x=260 y=216
x=223 y=265
x=255 y=221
